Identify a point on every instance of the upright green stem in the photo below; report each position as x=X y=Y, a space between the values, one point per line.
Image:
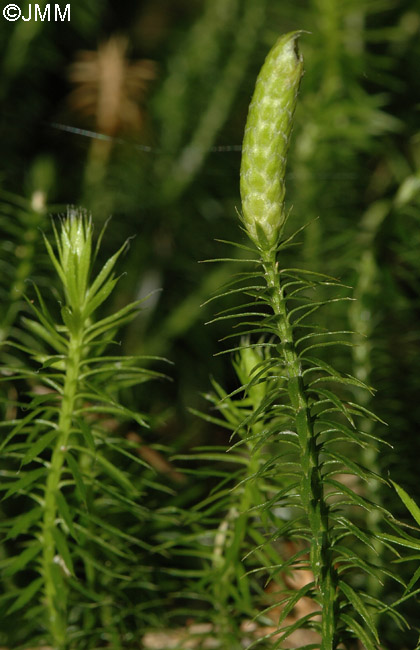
x=312 y=493
x=229 y=567
x=192 y=156
x=362 y=322
x=54 y=585
x=32 y=221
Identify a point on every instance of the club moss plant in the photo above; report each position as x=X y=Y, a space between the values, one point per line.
x=242 y=511
x=266 y=142
x=76 y=501
x=308 y=419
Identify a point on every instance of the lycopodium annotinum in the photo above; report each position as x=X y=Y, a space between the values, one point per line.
x=321 y=428
x=263 y=167
x=265 y=147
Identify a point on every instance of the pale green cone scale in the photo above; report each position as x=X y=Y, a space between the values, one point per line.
x=266 y=141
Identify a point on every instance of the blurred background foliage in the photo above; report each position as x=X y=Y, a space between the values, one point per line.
x=135 y=111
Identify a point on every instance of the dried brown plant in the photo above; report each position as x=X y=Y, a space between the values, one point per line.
x=109 y=89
